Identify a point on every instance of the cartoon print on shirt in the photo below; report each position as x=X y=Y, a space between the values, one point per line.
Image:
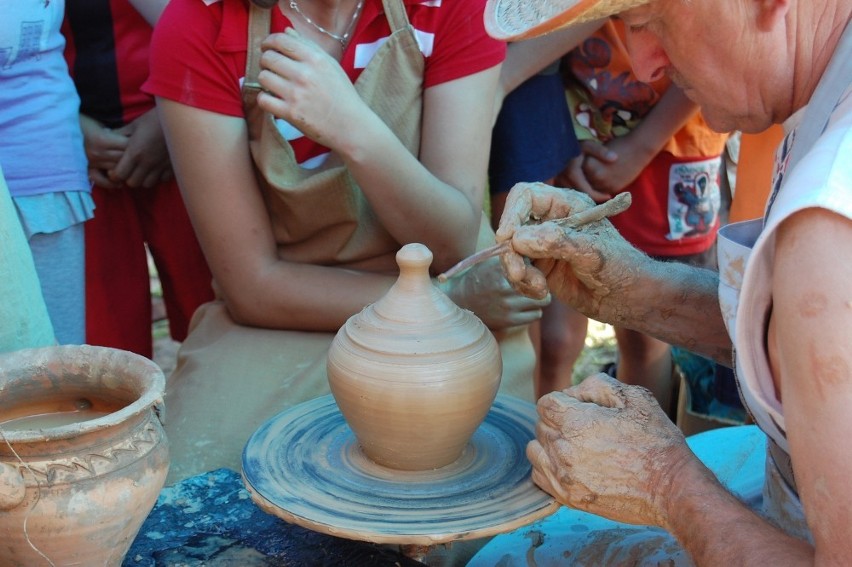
x=610 y=105
x=694 y=198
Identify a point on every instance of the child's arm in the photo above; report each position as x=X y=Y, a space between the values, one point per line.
x=635 y=150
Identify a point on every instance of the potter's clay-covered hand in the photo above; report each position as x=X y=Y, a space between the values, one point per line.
x=590 y=267
x=484 y=290
x=608 y=448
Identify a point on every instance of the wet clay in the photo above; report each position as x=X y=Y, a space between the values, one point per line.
x=616 y=205
x=306 y=467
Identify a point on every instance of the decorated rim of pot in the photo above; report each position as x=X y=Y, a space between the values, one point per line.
x=97 y=361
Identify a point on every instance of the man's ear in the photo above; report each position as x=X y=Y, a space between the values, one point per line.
x=770 y=13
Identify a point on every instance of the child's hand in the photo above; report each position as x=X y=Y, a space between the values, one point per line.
x=104 y=148
x=612 y=176
x=574 y=176
x=146 y=161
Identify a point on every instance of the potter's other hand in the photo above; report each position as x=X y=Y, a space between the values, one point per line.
x=307 y=88
x=589 y=267
x=609 y=449
x=484 y=290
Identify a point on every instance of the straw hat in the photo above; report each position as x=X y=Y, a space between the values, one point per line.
x=512 y=20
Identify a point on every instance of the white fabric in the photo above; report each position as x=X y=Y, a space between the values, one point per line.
x=823 y=178
x=812 y=170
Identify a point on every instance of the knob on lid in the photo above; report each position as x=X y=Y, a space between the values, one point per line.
x=414 y=315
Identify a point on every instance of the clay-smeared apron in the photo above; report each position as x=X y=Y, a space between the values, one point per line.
x=230 y=378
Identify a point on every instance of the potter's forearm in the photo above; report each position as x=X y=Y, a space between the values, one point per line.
x=678 y=304
x=717 y=529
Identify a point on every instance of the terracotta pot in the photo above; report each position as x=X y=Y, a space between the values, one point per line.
x=413 y=374
x=83 y=455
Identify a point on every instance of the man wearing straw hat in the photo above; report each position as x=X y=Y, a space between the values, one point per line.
x=779 y=310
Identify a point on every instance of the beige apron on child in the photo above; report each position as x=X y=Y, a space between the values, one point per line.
x=231 y=378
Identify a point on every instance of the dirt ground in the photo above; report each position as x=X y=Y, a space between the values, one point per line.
x=165 y=349
x=600 y=350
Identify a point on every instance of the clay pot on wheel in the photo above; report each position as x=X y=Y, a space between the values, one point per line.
x=413 y=374
x=83 y=455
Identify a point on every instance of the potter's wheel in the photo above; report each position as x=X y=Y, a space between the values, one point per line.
x=305 y=466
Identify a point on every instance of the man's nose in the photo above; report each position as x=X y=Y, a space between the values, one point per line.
x=647 y=55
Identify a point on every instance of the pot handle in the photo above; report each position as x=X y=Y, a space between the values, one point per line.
x=12 y=487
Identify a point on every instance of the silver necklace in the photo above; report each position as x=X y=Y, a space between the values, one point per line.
x=342 y=39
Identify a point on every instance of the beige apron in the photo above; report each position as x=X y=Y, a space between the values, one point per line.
x=230 y=378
